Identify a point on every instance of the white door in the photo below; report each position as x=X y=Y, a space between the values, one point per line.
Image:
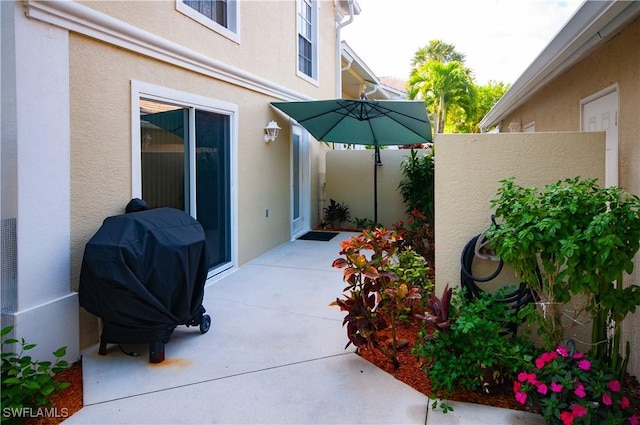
x=600 y=113
x=300 y=189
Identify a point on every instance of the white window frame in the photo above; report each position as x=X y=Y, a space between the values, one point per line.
x=144 y=90
x=315 y=5
x=232 y=32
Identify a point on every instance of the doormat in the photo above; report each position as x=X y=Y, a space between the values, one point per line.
x=318 y=236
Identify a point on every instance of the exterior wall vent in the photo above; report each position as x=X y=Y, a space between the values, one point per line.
x=9 y=274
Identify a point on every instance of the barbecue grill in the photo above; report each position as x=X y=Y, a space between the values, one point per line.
x=143 y=274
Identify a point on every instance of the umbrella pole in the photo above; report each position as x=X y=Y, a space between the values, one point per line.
x=376 y=160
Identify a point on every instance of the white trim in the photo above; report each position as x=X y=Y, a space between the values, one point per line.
x=308 y=79
x=36 y=187
x=233 y=19
x=597 y=95
x=305 y=150
x=305 y=185
x=192 y=163
x=81 y=19
x=315 y=43
x=612 y=151
x=162 y=94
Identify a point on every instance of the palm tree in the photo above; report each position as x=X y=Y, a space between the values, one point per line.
x=460 y=120
x=442 y=86
x=436 y=50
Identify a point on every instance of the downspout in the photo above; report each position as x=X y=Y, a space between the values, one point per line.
x=375 y=89
x=339 y=48
x=339 y=70
x=347 y=66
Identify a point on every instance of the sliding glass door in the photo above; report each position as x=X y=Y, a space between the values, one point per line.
x=185 y=164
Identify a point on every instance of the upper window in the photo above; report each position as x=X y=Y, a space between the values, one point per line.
x=219 y=15
x=308 y=38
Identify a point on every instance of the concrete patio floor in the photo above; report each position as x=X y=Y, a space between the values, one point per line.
x=274 y=355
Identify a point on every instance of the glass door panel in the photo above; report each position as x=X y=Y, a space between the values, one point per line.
x=188 y=168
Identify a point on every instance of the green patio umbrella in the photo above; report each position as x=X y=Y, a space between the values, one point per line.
x=363 y=122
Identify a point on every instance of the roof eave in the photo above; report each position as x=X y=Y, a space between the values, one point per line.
x=344 y=7
x=593 y=23
x=358 y=64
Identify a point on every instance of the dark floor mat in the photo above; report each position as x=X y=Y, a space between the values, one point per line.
x=318 y=236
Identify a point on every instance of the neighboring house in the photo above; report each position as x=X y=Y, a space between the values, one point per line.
x=587 y=79
x=357 y=79
x=105 y=101
x=395 y=84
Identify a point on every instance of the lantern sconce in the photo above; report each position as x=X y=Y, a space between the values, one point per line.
x=271 y=131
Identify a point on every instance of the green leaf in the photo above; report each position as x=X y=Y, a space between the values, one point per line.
x=31 y=385
x=60 y=352
x=47 y=390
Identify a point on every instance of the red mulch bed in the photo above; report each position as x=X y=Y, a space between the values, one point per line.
x=67 y=402
x=410 y=372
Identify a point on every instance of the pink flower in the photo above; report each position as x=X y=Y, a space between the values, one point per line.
x=578 y=355
x=624 y=402
x=566 y=418
x=545 y=358
x=516 y=386
x=563 y=352
x=522 y=376
x=542 y=388
x=584 y=364
x=531 y=378
x=578 y=411
x=606 y=399
x=555 y=387
x=633 y=420
x=614 y=386
x=580 y=391
x=521 y=397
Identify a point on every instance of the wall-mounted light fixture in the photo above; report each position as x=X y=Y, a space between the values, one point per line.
x=271 y=131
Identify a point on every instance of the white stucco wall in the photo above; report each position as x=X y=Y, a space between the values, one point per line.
x=350 y=180
x=37 y=299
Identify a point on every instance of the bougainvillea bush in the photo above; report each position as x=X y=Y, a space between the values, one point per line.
x=567 y=387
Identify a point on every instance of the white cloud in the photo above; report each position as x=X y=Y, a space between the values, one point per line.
x=500 y=38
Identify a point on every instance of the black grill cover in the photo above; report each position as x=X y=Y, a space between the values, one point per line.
x=143 y=273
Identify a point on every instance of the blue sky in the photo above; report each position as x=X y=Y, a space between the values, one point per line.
x=500 y=38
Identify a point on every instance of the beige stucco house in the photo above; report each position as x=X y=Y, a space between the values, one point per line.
x=587 y=79
x=103 y=102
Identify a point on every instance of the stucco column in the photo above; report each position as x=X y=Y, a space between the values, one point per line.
x=37 y=299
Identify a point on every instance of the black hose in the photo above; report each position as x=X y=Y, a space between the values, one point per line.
x=521 y=296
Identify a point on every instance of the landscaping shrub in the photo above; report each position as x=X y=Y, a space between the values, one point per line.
x=466 y=344
x=27 y=383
